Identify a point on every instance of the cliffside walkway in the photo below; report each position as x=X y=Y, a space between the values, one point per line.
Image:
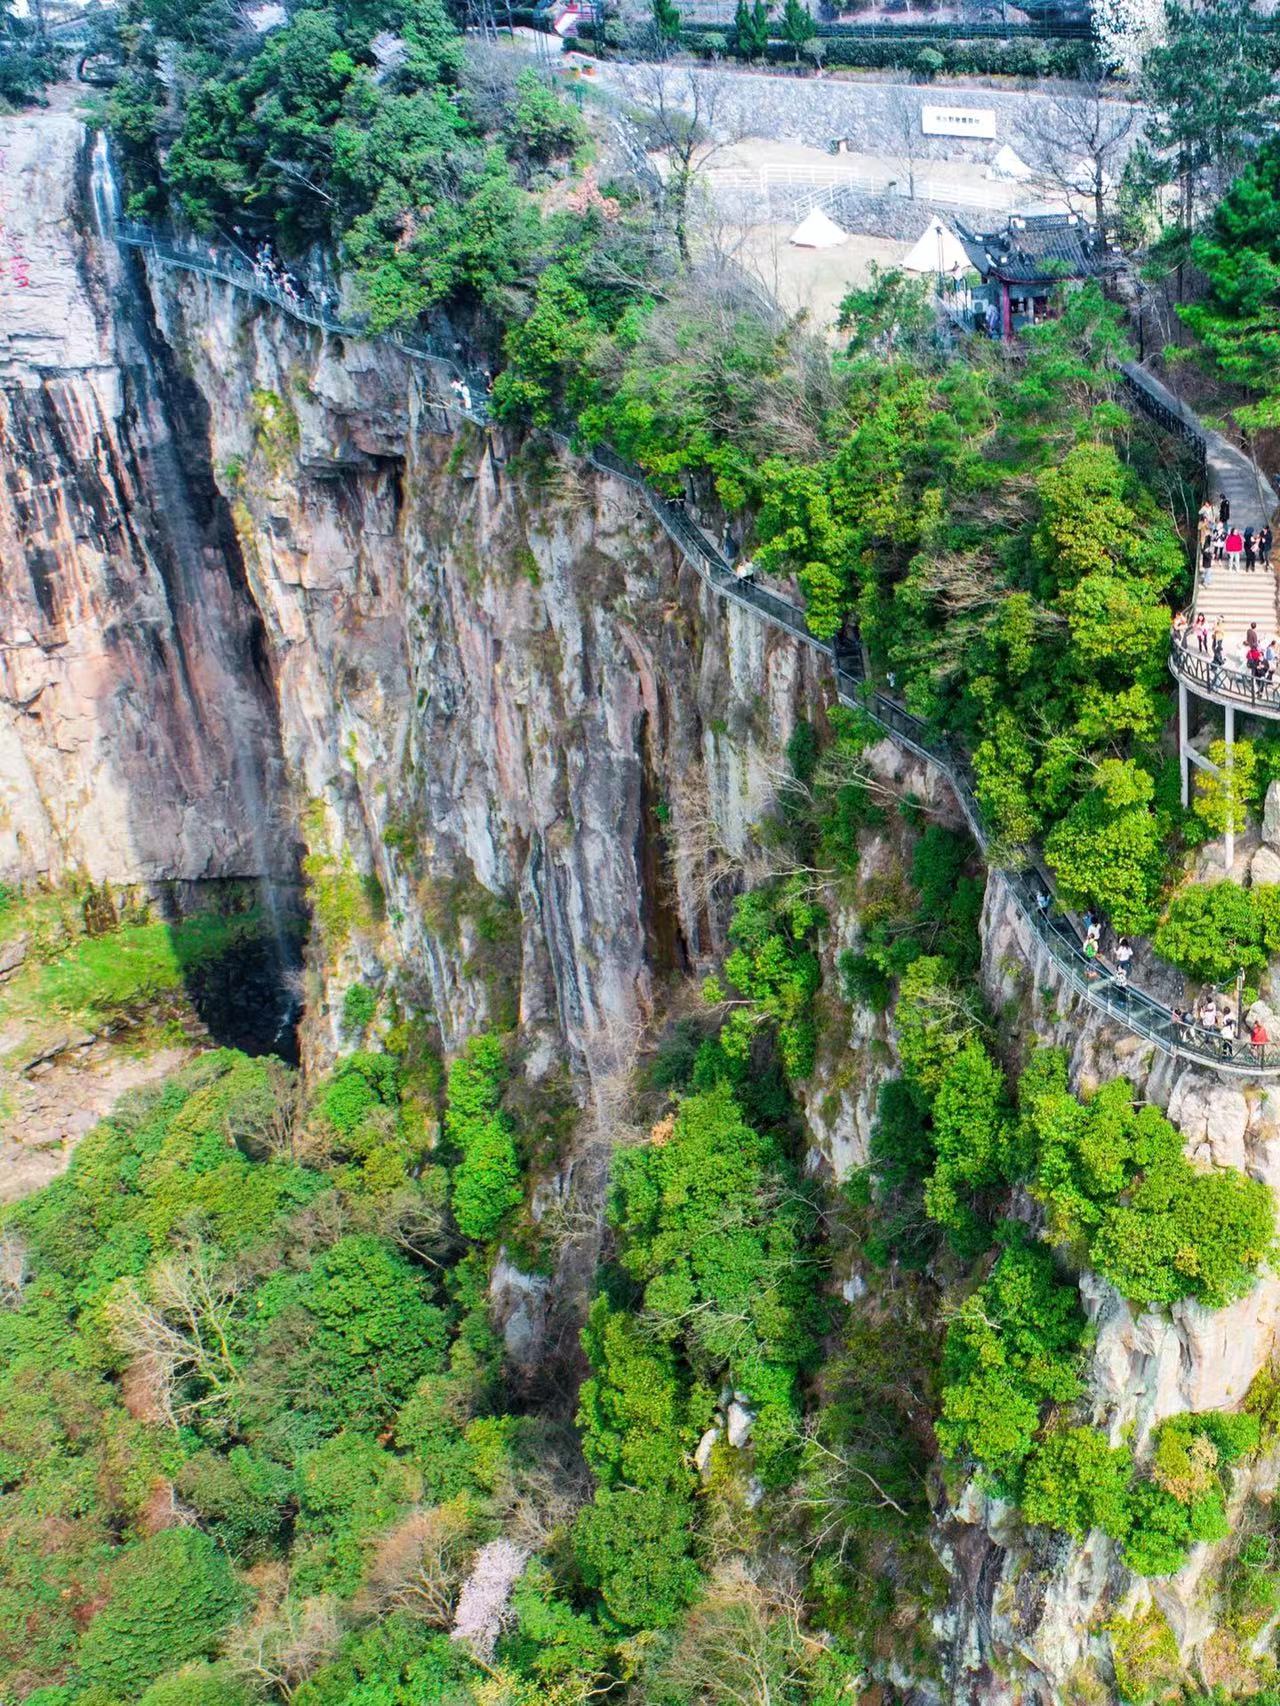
x=1130 y=1006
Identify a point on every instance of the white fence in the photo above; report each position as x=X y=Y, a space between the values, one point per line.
x=903 y=184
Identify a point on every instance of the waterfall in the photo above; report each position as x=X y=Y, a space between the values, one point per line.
x=104 y=188
x=222 y=685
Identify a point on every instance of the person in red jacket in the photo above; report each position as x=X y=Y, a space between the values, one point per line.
x=1233 y=546
x=1258 y=1039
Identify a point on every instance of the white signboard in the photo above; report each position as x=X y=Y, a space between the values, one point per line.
x=958 y=121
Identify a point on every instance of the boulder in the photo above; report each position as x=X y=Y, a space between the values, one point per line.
x=1264 y=867
x=738 y=1420
x=12 y=955
x=1271 y=815
x=1213 y=1118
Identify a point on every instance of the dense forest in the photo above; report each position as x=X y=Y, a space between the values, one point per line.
x=258 y=1438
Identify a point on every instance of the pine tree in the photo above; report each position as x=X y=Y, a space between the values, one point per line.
x=798 y=26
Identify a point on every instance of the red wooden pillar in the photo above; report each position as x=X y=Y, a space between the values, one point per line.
x=1006 y=311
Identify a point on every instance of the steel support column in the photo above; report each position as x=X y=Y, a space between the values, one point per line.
x=1228 y=782
x=1184 y=735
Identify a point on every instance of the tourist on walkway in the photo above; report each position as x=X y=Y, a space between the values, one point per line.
x=1206 y=560
x=1206 y=520
x=1251 y=636
x=1219 y=644
x=1179 y=630
x=1258 y=1040
x=1124 y=953
x=1091 y=957
x=1219 y=541
x=1272 y=657
x=1228 y=1035
x=1201 y=631
x=1224 y=509
x=1208 y=1014
x=1181 y=1024
x=1264 y=546
x=1234 y=546
x=1250 y=555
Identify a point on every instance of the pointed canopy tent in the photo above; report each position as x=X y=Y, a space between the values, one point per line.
x=938 y=251
x=1008 y=164
x=816 y=231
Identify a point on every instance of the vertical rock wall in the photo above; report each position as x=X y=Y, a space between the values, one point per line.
x=500 y=692
x=137 y=729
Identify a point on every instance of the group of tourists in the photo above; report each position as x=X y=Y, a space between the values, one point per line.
x=1209 y=1022
x=1222 y=542
x=1214 y=1018
x=1261 y=661
x=270 y=273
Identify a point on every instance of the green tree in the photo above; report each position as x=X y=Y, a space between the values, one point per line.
x=1211 y=930
x=775 y=971
x=1239 y=254
x=668 y=26
x=544 y=125
x=1222 y=801
x=169 y=1598
x=632 y=1544
x=1075 y=1481
x=972 y=1134
x=1202 y=129
x=889 y=312
x=486 y=1181
x=749 y=35
x=798 y=26
x=1011 y=1348
x=1107 y=851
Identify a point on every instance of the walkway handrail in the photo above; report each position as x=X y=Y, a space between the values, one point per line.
x=1132 y=1007
x=213 y=262
x=1199 y=669
x=1169 y=413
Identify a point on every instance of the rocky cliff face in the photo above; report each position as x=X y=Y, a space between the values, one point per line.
x=252 y=580
x=500 y=694
x=130 y=651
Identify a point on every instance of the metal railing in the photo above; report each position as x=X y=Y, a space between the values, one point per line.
x=1174 y=418
x=916 y=187
x=213 y=262
x=1240 y=685
x=1133 y=1008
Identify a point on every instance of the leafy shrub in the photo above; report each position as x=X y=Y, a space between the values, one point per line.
x=169 y=1598
x=1145 y=1655
x=486 y=1181
x=1119 y=1190
x=1210 y=930
x=1011 y=1348
x=1075 y=1481
x=359 y=1005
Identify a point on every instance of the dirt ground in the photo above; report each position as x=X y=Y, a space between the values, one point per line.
x=813 y=279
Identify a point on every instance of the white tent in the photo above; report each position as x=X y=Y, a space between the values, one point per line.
x=816 y=231
x=938 y=251
x=1008 y=164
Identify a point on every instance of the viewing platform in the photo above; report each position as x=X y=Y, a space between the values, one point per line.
x=1230 y=600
